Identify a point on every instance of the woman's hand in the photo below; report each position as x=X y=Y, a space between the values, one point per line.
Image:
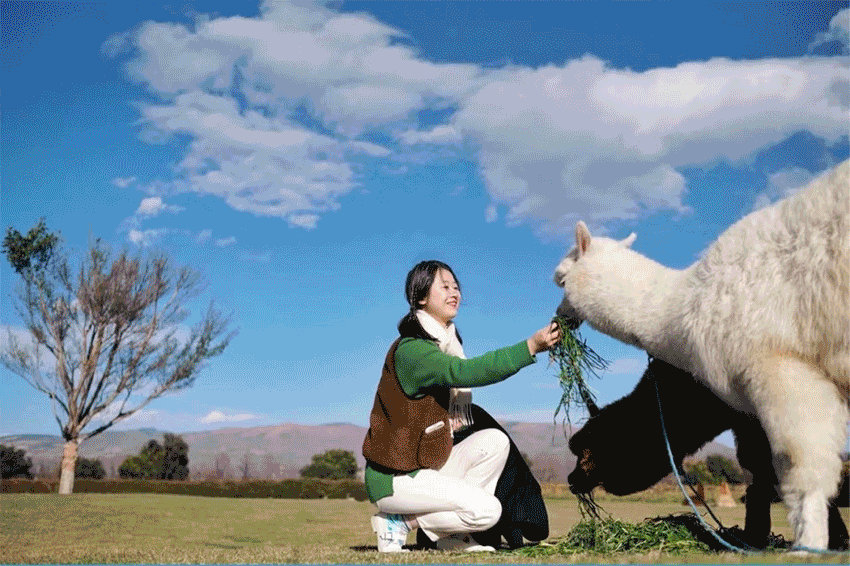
x=544 y=338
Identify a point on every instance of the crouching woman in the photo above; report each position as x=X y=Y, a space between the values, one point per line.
x=414 y=473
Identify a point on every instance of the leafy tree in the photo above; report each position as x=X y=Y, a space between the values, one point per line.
x=92 y=469
x=714 y=471
x=332 y=465
x=14 y=463
x=696 y=473
x=148 y=464
x=175 y=464
x=723 y=469
x=156 y=461
x=108 y=327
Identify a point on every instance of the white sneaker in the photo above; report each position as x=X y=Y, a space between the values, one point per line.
x=392 y=532
x=461 y=542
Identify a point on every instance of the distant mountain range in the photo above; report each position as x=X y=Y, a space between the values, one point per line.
x=280 y=451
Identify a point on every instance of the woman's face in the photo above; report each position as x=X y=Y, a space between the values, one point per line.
x=443 y=299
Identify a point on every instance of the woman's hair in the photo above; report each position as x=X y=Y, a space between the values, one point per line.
x=416 y=288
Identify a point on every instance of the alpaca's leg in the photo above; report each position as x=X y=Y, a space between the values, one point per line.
x=805 y=419
x=839 y=539
x=753 y=451
x=757 y=514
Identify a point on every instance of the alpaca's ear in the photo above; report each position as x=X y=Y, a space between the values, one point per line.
x=582 y=238
x=630 y=240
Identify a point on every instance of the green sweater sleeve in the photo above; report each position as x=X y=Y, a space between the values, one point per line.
x=420 y=364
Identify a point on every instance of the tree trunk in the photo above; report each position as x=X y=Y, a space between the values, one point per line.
x=69 y=464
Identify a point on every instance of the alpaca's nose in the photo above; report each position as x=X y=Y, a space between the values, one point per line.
x=570 y=318
x=566 y=311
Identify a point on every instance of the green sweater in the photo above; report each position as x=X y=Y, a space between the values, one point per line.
x=420 y=363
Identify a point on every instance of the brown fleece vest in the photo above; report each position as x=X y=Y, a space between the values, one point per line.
x=406 y=433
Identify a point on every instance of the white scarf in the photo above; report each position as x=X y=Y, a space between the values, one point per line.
x=460 y=399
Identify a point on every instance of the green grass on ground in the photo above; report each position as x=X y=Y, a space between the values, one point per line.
x=145 y=528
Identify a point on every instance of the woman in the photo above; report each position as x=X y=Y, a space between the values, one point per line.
x=414 y=474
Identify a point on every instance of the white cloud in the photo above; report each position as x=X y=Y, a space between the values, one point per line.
x=346 y=69
x=785 y=183
x=400 y=170
x=142 y=416
x=220 y=417
x=370 y=149
x=151 y=206
x=136 y=397
x=437 y=135
x=631 y=366
x=203 y=236
x=584 y=141
x=146 y=238
x=307 y=221
x=266 y=166
x=123 y=182
x=117 y=44
x=782 y=184
x=555 y=144
x=224 y=242
x=839 y=31
x=789 y=181
x=21 y=338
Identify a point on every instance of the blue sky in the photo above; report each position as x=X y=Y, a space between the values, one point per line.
x=304 y=156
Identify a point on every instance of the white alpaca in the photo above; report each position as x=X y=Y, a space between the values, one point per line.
x=763 y=319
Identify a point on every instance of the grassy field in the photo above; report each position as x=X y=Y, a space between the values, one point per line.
x=144 y=528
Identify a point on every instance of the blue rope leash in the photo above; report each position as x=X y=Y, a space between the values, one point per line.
x=693 y=506
x=679 y=480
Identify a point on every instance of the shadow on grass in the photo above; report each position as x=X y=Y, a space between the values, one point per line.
x=424 y=548
x=222 y=546
x=732 y=535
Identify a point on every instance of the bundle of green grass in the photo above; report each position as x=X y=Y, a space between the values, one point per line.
x=575 y=361
x=610 y=536
x=673 y=534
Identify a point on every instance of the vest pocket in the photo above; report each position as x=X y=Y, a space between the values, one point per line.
x=435 y=444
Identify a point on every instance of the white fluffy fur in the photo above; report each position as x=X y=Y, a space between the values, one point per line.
x=763 y=319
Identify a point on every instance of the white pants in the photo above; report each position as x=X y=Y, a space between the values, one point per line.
x=457 y=498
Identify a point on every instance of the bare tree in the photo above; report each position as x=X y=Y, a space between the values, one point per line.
x=222 y=466
x=108 y=330
x=245 y=467
x=547 y=469
x=272 y=468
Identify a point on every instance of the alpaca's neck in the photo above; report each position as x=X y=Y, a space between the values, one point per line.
x=642 y=305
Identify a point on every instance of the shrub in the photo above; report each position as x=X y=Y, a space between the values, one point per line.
x=14 y=463
x=332 y=465
x=86 y=468
x=166 y=462
x=283 y=489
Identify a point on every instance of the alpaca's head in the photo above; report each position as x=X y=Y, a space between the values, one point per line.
x=622 y=448
x=581 y=272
